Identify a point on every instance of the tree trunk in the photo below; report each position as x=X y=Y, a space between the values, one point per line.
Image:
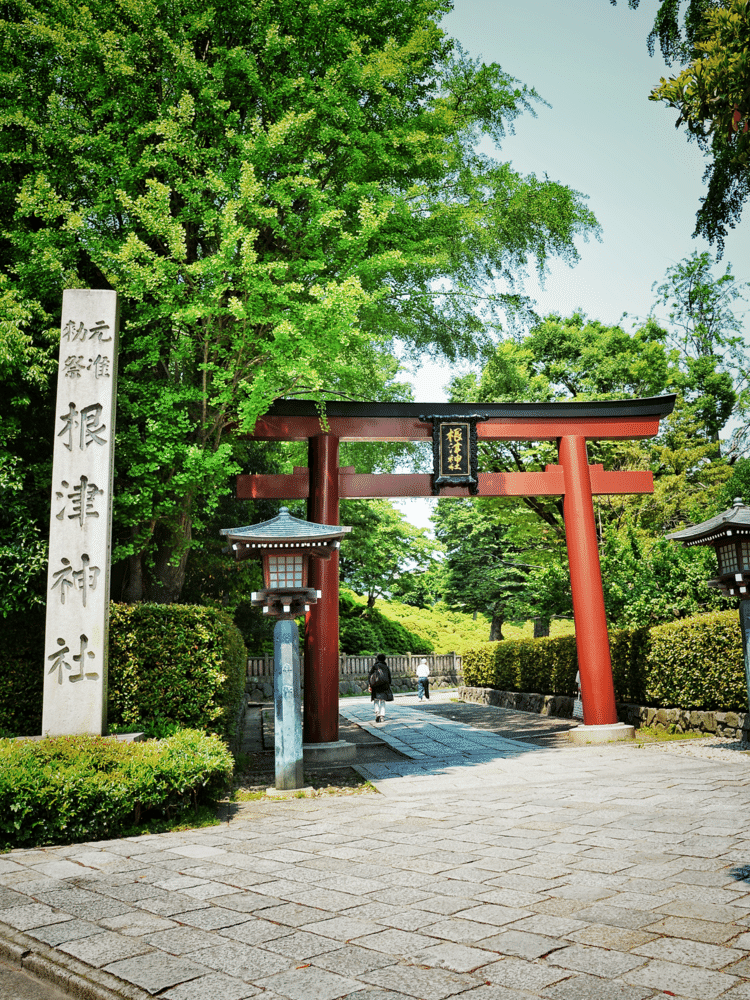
x=132 y=590
x=496 y=628
x=541 y=628
x=170 y=561
x=134 y=587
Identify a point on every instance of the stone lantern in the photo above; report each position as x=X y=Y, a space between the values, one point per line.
x=285 y=545
x=729 y=534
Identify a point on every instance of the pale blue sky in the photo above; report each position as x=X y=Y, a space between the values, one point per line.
x=601 y=136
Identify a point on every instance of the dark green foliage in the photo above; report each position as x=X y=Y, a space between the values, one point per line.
x=363 y=631
x=256 y=629
x=629 y=651
x=21 y=673
x=649 y=582
x=175 y=663
x=695 y=663
x=71 y=788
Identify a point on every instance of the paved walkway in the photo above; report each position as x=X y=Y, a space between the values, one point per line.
x=491 y=870
x=434 y=746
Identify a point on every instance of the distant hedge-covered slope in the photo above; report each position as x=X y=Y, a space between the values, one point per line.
x=445 y=630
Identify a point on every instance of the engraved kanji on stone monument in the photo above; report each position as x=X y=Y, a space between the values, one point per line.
x=75 y=664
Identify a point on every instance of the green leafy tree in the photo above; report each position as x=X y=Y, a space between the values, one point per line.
x=277 y=191
x=483 y=567
x=420 y=588
x=651 y=581
x=25 y=466
x=708 y=335
x=712 y=96
x=381 y=547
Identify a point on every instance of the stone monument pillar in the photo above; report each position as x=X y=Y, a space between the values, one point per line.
x=287 y=706
x=76 y=641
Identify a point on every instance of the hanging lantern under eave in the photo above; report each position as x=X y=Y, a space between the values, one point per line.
x=285 y=545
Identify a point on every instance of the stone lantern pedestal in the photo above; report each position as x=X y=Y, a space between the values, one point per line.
x=285 y=544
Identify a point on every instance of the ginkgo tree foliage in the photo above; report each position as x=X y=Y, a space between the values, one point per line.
x=278 y=191
x=710 y=40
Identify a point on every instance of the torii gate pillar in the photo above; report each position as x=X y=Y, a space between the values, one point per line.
x=592 y=637
x=321 y=701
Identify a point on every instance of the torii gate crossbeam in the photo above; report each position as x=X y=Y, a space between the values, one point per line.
x=324 y=483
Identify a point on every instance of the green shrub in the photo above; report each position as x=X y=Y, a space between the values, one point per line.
x=169 y=665
x=21 y=673
x=175 y=663
x=71 y=788
x=545 y=665
x=697 y=663
x=694 y=663
x=446 y=631
x=363 y=631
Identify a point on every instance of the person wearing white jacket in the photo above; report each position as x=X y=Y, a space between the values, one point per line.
x=423 y=682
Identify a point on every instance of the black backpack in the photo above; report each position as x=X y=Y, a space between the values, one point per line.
x=379 y=675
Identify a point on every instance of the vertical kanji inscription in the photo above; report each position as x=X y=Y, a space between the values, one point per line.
x=75 y=665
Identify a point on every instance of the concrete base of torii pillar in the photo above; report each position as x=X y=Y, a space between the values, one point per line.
x=601 y=733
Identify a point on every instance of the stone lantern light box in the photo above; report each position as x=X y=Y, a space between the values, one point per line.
x=285 y=544
x=729 y=534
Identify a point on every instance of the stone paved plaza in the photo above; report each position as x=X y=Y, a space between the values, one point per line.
x=489 y=868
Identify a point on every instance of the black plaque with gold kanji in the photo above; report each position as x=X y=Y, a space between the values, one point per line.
x=454 y=449
x=455 y=443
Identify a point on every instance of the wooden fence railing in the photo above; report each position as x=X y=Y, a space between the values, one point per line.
x=349 y=666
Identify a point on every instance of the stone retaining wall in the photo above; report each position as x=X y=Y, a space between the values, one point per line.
x=358 y=684
x=735 y=725
x=260 y=689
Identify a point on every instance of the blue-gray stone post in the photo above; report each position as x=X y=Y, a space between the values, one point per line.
x=745 y=626
x=287 y=705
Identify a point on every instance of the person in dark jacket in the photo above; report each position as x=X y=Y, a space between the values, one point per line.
x=380 y=686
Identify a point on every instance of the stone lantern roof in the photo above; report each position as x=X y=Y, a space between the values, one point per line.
x=730 y=523
x=285 y=529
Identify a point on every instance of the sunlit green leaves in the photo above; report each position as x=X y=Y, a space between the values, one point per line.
x=278 y=193
x=712 y=95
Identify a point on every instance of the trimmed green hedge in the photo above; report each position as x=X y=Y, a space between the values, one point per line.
x=545 y=665
x=694 y=663
x=168 y=664
x=697 y=663
x=175 y=663
x=71 y=788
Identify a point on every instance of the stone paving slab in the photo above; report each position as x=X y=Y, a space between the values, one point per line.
x=491 y=869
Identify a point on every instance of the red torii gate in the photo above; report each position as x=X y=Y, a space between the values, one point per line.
x=324 y=483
